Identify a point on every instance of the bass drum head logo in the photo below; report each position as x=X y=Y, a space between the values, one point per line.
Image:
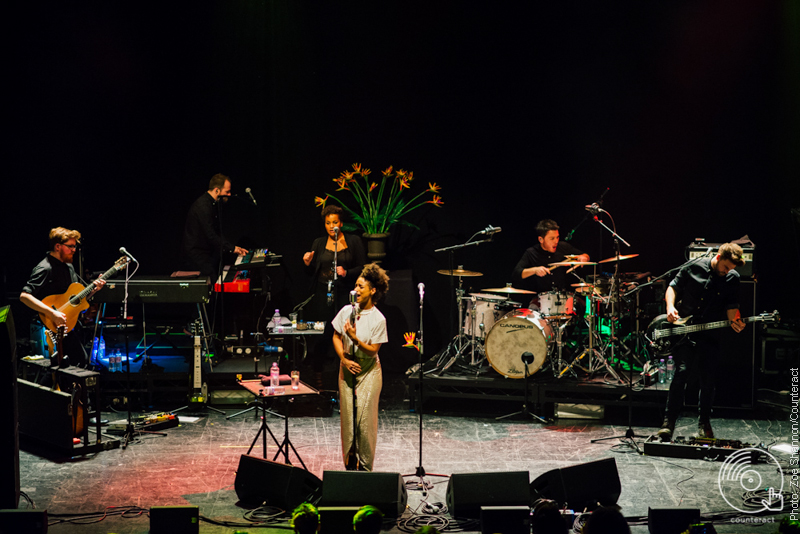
x=740 y=475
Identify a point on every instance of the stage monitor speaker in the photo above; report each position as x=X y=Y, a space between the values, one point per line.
x=467 y=492
x=9 y=420
x=27 y=521
x=671 y=519
x=174 y=520
x=505 y=519
x=284 y=486
x=386 y=491
x=567 y=485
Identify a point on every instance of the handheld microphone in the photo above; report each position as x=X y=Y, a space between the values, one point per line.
x=421 y=288
x=123 y=251
x=593 y=208
x=353 y=304
x=250 y=194
x=490 y=230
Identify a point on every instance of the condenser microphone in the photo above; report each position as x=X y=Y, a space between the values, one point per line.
x=594 y=208
x=123 y=251
x=491 y=230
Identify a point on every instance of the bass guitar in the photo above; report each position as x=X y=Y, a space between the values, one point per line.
x=663 y=336
x=73 y=301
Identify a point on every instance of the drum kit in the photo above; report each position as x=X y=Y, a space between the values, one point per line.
x=560 y=328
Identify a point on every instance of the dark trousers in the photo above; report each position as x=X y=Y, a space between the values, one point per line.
x=694 y=361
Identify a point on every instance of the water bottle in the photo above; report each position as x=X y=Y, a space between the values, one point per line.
x=670 y=369
x=101 y=350
x=95 y=347
x=662 y=372
x=275 y=375
x=276 y=321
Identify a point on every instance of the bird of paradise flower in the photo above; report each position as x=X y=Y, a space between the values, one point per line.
x=380 y=202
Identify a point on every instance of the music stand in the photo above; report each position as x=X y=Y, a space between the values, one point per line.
x=256 y=388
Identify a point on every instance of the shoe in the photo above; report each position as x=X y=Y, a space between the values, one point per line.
x=704 y=430
x=666 y=430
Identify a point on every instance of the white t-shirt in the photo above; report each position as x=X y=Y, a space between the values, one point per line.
x=370 y=328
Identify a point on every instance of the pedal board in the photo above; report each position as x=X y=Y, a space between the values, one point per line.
x=155 y=421
x=697 y=448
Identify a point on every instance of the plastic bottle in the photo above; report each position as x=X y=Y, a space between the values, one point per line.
x=670 y=369
x=662 y=372
x=276 y=321
x=275 y=375
x=101 y=351
x=95 y=347
x=117 y=358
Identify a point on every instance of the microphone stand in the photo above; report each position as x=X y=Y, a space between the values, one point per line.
x=420 y=473
x=352 y=463
x=129 y=428
x=615 y=301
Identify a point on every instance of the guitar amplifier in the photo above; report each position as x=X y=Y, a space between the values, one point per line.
x=699 y=247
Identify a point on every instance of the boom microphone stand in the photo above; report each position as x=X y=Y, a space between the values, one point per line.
x=594 y=209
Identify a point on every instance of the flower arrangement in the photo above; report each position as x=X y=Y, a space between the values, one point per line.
x=381 y=204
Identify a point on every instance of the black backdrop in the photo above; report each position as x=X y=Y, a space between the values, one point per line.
x=687 y=111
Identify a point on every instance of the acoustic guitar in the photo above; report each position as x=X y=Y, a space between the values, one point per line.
x=73 y=301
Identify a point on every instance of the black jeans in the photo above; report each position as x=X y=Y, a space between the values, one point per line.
x=696 y=360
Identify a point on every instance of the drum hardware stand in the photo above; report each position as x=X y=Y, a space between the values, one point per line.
x=615 y=301
x=559 y=331
x=527 y=359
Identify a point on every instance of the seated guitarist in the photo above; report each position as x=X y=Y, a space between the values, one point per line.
x=707 y=290
x=53 y=276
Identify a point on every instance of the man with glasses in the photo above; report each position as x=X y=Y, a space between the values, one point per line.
x=53 y=276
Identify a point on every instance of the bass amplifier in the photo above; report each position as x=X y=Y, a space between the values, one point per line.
x=699 y=248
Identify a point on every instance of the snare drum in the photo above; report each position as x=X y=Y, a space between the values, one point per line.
x=556 y=303
x=518 y=331
x=486 y=313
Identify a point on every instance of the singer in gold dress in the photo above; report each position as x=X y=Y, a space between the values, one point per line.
x=359 y=331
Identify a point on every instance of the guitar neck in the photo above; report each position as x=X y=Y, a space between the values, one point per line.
x=88 y=289
x=677 y=330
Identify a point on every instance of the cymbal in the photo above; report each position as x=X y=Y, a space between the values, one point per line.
x=583 y=287
x=509 y=289
x=459 y=272
x=614 y=258
x=566 y=263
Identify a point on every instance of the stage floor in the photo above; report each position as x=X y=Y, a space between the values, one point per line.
x=195 y=464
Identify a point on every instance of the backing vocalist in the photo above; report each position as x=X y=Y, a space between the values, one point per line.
x=360 y=369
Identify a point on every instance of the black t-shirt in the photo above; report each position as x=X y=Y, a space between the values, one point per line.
x=536 y=256
x=50 y=277
x=704 y=294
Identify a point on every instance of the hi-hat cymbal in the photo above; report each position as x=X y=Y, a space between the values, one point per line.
x=509 y=289
x=459 y=272
x=614 y=258
x=583 y=288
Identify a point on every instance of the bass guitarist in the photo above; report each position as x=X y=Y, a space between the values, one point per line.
x=706 y=290
x=53 y=276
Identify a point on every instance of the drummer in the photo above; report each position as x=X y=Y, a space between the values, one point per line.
x=532 y=271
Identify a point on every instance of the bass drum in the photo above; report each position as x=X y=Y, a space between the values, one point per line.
x=516 y=332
